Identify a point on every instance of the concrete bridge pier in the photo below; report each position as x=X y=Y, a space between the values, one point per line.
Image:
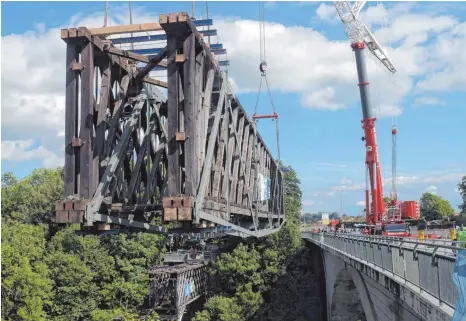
x=347 y=295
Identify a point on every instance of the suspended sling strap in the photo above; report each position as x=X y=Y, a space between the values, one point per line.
x=263 y=70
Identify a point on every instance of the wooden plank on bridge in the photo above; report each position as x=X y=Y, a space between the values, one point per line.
x=116 y=30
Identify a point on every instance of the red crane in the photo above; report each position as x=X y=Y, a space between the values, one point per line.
x=376 y=211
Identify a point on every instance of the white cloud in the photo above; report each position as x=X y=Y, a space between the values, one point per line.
x=325 y=79
x=351 y=187
x=375 y=15
x=346 y=181
x=327 y=12
x=322 y=99
x=330 y=165
x=429 y=178
x=387 y=111
x=427 y=100
x=432 y=189
x=33 y=88
x=414 y=28
x=432 y=178
x=361 y=203
x=307 y=202
x=323 y=193
x=301 y=60
x=429 y=45
x=450 y=62
x=23 y=150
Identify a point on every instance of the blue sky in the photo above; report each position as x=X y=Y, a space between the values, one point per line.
x=311 y=72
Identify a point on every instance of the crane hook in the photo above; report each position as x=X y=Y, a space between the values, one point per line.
x=263 y=67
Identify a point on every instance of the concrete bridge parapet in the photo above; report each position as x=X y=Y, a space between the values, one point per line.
x=378 y=279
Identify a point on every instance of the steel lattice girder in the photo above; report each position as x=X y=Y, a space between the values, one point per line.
x=172 y=288
x=193 y=157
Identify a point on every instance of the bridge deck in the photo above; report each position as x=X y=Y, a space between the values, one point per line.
x=424 y=268
x=138 y=148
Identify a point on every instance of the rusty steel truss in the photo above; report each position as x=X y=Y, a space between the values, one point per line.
x=138 y=148
x=173 y=288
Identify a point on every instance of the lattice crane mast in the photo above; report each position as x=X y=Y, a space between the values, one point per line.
x=361 y=38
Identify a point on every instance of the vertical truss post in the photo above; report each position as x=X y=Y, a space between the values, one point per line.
x=206 y=170
x=182 y=126
x=199 y=112
x=87 y=184
x=174 y=90
x=71 y=120
x=104 y=101
x=190 y=123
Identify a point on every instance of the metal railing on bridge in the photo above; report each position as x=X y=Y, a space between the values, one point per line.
x=429 y=265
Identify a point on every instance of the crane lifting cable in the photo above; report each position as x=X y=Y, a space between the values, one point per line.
x=263 y=70
x=106 y=13
x=394 y=129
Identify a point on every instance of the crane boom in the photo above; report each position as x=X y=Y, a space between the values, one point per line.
x=361 y=38
x=357 y=30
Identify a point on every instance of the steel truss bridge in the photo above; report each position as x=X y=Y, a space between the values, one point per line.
x=138 y=148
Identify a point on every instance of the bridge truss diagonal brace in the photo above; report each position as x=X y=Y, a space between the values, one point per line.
x=242 y=165
x=206 y=169
x=114 y=163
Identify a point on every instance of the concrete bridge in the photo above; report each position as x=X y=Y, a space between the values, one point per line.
x=379 y=278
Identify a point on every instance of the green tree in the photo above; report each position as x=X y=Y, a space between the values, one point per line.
x=293 y=195
x=220 y=308
x=32 y=199
x=94 y=256
x=462 y=191
x=255 y=265
x=286 y=242
x=88 y=278
x=434 y=207
x=74 y=292
x=239 y=267
x=8 y=180
x=26 y=291
x=248 y=299
x=89 y=250
x=133 y=254
x=110 y=315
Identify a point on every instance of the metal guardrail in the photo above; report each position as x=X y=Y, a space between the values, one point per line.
x=429 y=265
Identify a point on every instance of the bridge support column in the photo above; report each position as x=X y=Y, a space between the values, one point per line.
x=338 y=274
